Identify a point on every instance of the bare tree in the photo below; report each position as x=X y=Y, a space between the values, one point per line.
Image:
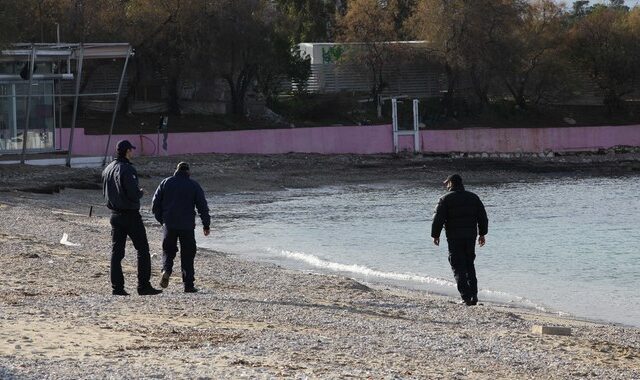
x=534 y=64
x=9 y=29
x=308 y=20
x=493 y=22
x=444 y=25
x=232 y=40
x=369 y=26
x=31 y=20
x=480 y=40
x=158 y=30
x=606 y=44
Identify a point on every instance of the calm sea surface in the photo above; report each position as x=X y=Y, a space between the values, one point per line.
x=570 y=246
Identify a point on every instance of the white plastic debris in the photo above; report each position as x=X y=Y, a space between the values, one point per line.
x=65 y=241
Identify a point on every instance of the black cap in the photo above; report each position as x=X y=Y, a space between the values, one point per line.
x=454 y=179
x=182 y=166
x=123 y=145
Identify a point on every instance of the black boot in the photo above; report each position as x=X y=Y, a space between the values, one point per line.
x=164 y=281
x=190 y=289
x=148 y=290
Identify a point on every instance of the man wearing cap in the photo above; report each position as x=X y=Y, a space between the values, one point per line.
x=173 y=206
x=122 y=193
x=463 y=216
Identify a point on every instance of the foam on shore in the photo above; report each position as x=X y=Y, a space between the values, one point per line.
x=438 y=285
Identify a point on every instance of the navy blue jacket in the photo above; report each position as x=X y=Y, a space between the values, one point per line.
x=174 y=202
x=120 y=186
x=461 y=213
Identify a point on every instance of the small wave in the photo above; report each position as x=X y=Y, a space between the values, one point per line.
x=359 y=269
x=509 y=298
x=362 y=270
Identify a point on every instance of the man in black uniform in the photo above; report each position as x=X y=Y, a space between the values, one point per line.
x=173 y=206
x=463 y=216
x=121 y=191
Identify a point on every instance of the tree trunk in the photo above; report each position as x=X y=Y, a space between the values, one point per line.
x=238 y=105
x=518 y=95
x=521 y=100
x=447 y=100
x=239 y=87
x=174 y=106
x=481 y=90
x=375 y=89
x=612 y=101
x=237 y=95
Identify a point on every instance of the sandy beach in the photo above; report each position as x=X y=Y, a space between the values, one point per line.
x=59 y=320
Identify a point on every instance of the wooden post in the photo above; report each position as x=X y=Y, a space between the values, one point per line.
x=394 y=113
x=75 y=102
x=416 y=126
x=115 y=108
x=25 y=135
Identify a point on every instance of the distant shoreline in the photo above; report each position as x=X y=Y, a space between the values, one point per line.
x=221 y=173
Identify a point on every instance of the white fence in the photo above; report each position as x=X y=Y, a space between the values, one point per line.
x=412 y=80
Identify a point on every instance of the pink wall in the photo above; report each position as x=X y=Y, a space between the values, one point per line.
x=326 y=140
x=365 y=140
x=506 y=140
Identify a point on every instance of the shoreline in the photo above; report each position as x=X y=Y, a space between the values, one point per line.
x=223 y=173
x=522 y=306
x=255 y=319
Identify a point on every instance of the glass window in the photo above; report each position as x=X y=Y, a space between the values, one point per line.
x=40 y=135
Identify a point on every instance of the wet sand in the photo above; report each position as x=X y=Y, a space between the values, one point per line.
x=256 y=320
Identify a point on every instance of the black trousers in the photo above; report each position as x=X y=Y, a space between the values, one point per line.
x=129 y=224
x=187 y=253
x=461 y=257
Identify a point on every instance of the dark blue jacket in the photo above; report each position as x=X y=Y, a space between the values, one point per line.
x=461 y=213
x=174 y=202
x=120 y=186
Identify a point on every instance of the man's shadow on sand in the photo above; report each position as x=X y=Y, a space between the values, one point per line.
x=348 y=309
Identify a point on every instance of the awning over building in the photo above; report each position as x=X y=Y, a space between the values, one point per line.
x=57 y=51
x=30 y=83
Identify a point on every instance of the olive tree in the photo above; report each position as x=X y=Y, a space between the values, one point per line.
x=534 y=65
x=369 y=25
x=606 y=45
x=468 y=38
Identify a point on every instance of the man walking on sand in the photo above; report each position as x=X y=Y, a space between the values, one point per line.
x=463 y=216
x=173 y=206
x=121 y=191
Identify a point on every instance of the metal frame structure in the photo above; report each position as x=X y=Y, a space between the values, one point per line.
x=79 y=52
x=415 y=132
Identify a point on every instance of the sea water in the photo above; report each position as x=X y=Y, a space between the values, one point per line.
x=566 y=245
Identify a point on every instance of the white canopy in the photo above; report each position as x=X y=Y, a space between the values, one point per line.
x=57 y=51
